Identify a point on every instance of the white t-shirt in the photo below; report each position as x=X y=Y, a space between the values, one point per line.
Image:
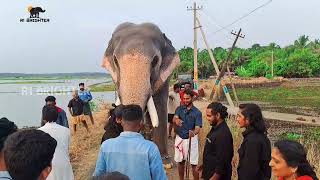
x=174 y=102
x=61 y=166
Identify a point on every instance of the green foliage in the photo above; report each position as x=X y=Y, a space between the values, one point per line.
x=93 y=106
x=302 y=59
x=282 y=96
x=269 y=76
x=291 y=136
x=311 y=135
x=241 y=71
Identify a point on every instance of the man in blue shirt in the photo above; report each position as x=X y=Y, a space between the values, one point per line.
x=188 y=120
x=86 y=97
x=130 y=153
x=62 y=116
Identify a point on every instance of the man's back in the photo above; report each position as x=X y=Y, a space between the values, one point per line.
x=61 y=162
x=131 y=155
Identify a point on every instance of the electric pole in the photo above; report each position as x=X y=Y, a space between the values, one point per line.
x=195 y=47
x=272 y=63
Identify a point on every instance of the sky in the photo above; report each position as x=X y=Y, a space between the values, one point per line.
x=75 y=38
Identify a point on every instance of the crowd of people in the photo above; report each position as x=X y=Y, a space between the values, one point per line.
x=43 y=153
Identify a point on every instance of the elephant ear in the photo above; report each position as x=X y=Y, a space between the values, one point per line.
x=170 y=60
x=108 y=61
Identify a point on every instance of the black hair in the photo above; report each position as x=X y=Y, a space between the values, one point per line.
x=27 y=153
x=217 y=107
x=50 y=99
x=6 y=128
x=132 y=112
x=189 y=92
x=81 y=84
x=112 y=176
x=50 y=113
x=118 y=111
x=253 y=114
x=295 y=156
x=176 y=86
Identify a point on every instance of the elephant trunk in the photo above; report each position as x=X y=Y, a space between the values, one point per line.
x=135 y=85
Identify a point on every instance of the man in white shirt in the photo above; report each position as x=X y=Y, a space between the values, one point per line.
x=61 y=166
x=173 y=103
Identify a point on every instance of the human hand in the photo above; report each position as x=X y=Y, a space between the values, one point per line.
x=199 y=169
x=178 y=122
x=191 y=133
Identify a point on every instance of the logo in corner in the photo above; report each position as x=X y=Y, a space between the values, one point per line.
x=34 y=15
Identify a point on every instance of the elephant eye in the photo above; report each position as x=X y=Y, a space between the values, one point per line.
x=115 y=60
x=154 y=61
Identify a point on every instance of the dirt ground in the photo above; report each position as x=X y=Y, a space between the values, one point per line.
x=85 y=146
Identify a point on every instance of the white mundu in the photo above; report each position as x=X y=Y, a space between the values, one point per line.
x=181 y=148
x=61 y=166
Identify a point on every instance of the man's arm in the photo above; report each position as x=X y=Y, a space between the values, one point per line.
x=100 y=164
x=64 y=119
x=215 y=177
x=89 y=96
x=176 y=118
x=171 y=96
x=42 y=116
x=194 y=132
x=70 y=110
x=156 y=167
x=198 y=125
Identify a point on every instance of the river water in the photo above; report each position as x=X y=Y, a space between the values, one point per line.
x=22 y=102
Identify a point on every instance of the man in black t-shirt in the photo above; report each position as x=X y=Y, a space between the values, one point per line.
x=218 y=149
x=76 y=110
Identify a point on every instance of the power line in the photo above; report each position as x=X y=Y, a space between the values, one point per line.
x=245 y=15
x=214 y=22
x=225 y=31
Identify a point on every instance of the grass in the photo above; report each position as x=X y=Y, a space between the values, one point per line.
x=284 y=96
x=85 y=146
x=30 y=82
x=102 y=88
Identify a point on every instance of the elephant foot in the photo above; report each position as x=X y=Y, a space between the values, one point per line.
x=167 y=162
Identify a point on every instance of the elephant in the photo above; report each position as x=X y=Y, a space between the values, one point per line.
x=34 y=11
x=140 y=59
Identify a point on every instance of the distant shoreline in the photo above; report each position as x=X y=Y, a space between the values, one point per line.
x=53 y=76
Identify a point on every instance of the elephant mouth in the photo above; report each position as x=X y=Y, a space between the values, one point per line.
x=151 y=108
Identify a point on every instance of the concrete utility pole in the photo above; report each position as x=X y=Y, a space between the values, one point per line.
x=272 y=63
x=195 y=47
x=223 y=70
x=214 y=62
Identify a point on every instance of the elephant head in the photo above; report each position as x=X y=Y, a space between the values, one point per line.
x=140 y=58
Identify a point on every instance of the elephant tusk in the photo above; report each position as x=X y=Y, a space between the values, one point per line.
x=153 y=112
x=118 y=102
